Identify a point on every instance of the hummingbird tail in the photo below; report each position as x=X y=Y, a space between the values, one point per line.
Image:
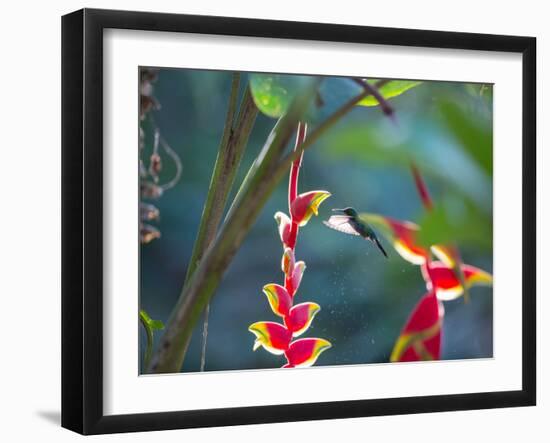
x=380 y=247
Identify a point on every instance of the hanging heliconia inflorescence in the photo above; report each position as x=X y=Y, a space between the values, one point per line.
x=279 y=338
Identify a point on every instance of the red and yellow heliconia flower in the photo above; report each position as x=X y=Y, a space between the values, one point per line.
x=303 y=353
x=442 y=279
x=307 y=204
x=273 y=337
x=446 y=279
x=279 y=299
x=420 y=339
x=284 y=224
x=449 y=254
x=300 y=317
x=401 y=234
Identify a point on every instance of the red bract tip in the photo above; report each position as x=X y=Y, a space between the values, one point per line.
x=421 y=336
x=421 y=187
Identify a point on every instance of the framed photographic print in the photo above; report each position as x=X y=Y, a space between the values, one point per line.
x=271 y=221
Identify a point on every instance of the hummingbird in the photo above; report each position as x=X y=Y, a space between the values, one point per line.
x=349 y=222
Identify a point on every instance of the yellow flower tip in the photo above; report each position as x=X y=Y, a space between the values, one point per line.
x=306 y=205
x=314 y=308
x=255 y=328
x=446 y=254
x=478 y=277
x=278 y=298
x=320 y=198
x=258 y=330
x=270 y=294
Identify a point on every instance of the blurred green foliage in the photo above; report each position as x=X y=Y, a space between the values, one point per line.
x=446 y=128
x=273 y=93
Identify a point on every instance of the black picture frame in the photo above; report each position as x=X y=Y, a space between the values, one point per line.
x=82 y=219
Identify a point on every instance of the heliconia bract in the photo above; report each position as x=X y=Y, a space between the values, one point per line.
x=279 y=299
x=445 y=280
x=441 y=278
x=300 y=317
x=304 y=352
x=306 y=205
x=420 y=339
x=274 y=337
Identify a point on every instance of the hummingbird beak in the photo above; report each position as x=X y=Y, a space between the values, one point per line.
x=338 y=210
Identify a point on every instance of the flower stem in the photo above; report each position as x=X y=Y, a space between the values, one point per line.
x=293 y=182
x=295 y=170
x=373 y=90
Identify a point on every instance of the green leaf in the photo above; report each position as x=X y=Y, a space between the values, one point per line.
x=150 y=326
x=467 y=226
x=380 y=145
x=389 y=90
x=149 y=323
x=273 y=93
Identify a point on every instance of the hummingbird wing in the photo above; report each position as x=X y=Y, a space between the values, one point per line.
x=341 y=223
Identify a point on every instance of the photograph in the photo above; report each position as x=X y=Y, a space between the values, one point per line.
x=297 y=221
